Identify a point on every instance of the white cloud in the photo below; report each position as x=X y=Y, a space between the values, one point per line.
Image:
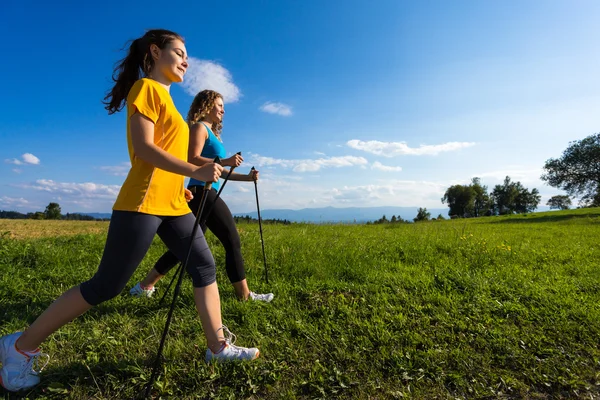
x=335 y=162
x=73 y=197
x=30 y=159
x=319 y=153
x=279 y=192
x=393 y=149
x=280 y=189
x=17 y=170
x=397 y=192
x=308 y=165
x=204 y=74
x=516 y=173
x=275 y=192
x=27 y=158
x=8 y=202
x=117 y=170
x=360 y=193
x=276 y=108
x=270 y=161
x=80 y=190
x=385 y=168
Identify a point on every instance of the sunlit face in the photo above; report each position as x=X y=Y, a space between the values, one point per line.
x=171 y=62
x=218 y=110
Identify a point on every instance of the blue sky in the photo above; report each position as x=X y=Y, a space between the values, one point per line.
x=337 y=103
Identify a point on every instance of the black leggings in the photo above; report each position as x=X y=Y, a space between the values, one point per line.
x=130 y=235
x=221 y=223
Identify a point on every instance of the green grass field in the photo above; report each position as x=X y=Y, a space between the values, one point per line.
x=498 y=307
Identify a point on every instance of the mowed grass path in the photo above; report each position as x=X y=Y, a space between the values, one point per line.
x=500 y=307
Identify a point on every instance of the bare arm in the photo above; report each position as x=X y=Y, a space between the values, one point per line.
x=249 y=177
x=198 y=136
x=142 y=138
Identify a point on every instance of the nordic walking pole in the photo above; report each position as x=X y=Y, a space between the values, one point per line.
x=201 y=223
x=262 y=242
x=207 y=187
x=239 y=153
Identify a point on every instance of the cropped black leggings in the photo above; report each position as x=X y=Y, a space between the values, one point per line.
x=221 y=223
x=130 y=235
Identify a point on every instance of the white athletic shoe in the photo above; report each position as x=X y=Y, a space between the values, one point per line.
x=137 y=291
x=230 y=352
x=17 y=371
x=267 y=297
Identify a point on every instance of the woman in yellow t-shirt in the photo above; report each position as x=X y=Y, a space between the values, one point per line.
x=205 y=118
x=151 y=201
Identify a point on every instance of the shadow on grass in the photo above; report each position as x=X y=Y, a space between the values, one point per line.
x=125 y=379
x=528 y=219
x=19 y=308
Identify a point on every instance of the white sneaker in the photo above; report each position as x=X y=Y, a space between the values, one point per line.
x=17 y=371
x=137 y=291
x=230 y=352
x=267 y=297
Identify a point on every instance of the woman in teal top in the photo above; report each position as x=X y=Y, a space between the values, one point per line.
x=213 y=147
x=205 y=118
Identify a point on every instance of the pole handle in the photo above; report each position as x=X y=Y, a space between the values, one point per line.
x=208 y=185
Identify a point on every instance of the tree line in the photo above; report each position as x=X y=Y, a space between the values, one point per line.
x=250 y=219
x=422 y=215
x=577 y=172
x=474 y=200
x=52 y=211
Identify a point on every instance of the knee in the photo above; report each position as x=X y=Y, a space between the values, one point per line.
x=96 y=292
x=203 y=274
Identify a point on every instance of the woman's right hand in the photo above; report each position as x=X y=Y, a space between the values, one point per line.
x=233 y=161
x=208 y=172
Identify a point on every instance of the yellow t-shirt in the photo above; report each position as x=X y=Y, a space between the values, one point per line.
x=148 y=189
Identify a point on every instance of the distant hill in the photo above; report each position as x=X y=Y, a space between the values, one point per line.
x=348 y=214
x=101 y=215
x=328 y=214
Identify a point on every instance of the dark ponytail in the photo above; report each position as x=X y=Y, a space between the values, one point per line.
x=137 y=64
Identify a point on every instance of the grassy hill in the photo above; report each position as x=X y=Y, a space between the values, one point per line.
x=497 y=307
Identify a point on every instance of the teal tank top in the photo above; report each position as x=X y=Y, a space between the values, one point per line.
x=213 y=147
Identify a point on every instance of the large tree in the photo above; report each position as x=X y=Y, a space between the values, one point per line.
x=504 y=197
x=559 y=202
x=526 y=201
x=577 y=171
x=460 y=200
x=467 y=200
x=52 y=211
x=481 y=200
x=513 y=197
x=422 y=215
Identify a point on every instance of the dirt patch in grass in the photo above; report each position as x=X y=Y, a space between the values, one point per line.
x=30 y=228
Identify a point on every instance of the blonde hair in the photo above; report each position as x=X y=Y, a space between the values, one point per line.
x=202 y=105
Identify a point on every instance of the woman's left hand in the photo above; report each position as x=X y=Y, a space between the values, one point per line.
x=253 y=174
x=188 y=195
